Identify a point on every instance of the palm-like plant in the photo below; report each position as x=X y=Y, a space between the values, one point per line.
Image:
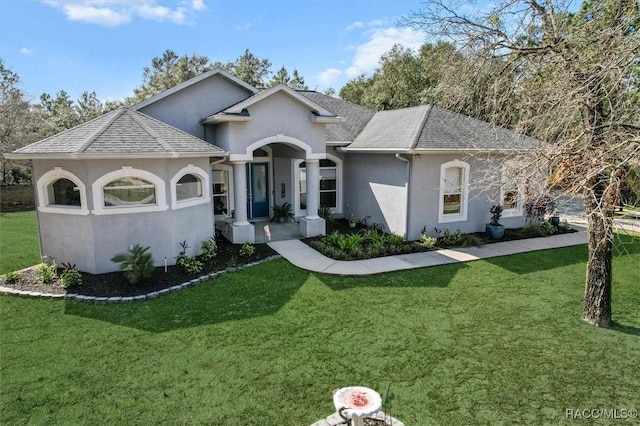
x=137 y=264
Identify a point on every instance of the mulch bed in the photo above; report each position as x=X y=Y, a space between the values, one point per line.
x=114 y=284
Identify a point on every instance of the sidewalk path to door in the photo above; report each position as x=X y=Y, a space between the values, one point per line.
x=305 y=257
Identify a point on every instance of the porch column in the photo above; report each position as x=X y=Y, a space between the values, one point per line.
x=313 y=188
x=240 y=193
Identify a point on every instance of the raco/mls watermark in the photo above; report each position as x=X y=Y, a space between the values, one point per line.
x=600 y=413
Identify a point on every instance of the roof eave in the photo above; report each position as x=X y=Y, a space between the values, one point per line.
x=115 y=155
x=327 y=119
x=225 y=118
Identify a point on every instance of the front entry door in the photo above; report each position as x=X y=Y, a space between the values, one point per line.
x=258 y=187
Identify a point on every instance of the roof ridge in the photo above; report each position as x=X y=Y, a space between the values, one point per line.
x=100 y=130
x=138 y=119
x=423 y=122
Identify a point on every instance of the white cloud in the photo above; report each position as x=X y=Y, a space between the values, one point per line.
x=359 y=24
x=111 y=13
x=244 y=26
x=354 y=26
x=26 y=51
x=382 y=40
x=329 y=76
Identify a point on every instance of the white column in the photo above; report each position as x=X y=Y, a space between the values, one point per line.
x=240 y=193
x=313 y=188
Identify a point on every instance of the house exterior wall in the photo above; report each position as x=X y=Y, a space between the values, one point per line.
x=90 y=241
x=424 y=193
x=376 y=187
x=278 y=114
x=185 y=108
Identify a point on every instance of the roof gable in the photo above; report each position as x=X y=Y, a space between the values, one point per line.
x=123 y=132
x=216 y=71
x=233 y=112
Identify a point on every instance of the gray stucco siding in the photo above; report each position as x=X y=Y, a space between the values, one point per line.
x=376 y=187
x=484 y=191
x=90 y=241
x=185 y=108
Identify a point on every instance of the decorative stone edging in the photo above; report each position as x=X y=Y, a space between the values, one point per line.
x=129 y=299
x=335 y=419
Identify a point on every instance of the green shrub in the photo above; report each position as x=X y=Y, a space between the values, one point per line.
x=349 y=242
x=325 y=213
x=547 y=228
x=564 y=226
x=451 y=239
x=11 y=277
x=189 y=264
x=471 y=240
x=208 y=249
x=332 y=239
x=71 y=277
x=533 y=230
x=395 y=239
x=247 y=250
x=47 y=273
x=427 y=241
x=137 y=264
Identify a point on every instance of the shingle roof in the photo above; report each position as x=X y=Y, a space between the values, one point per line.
x=446 y=130
x=122 y=132
x=393 y=129
x=355 y=116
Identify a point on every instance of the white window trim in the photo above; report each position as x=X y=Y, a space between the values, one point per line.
x=43 y=193
x=462 y=216
x=128 y=171
x=518 y=211
x=296 y=185
x=230 y=192
x=196 y=201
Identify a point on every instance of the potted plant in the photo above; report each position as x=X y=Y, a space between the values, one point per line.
x=494 y=228
x=353 y=221
x=282 y=213
x=554 y=219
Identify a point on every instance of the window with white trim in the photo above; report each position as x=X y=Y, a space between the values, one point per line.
x=510 y=195
x=330 y=184
x=128 y=190
x=221 y=202
x=190 y=187
x=60 y=191
x=454 y=189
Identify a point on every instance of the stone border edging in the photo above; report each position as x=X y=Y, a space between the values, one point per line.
x=130 y=299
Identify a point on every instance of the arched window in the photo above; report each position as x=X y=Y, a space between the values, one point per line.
x=454 y=191
x=190 y=187
x=60 y=191
x=330 y=185
x=128 y=190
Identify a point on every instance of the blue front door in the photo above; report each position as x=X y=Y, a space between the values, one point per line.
x=258 y=187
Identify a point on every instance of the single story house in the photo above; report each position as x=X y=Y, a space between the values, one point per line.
x=216 y=151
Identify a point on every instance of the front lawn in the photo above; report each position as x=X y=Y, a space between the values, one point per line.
x=485 y=342
x=19 y=245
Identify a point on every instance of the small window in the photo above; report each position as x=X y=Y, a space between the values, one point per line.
x=454 y=191
x=221 y=192
x=64 y=192
x=328 y=184
x=129 y=191
x=188 y=187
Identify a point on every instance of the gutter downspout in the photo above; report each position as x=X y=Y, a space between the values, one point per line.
x=408 y=176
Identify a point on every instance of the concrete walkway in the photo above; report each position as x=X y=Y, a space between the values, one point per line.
x=303 y=256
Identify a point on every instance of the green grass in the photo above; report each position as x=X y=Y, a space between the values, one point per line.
x=19 y=245
x=485 y=342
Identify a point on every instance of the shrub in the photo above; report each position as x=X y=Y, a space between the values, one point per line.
x=496 y=214
x=533 y=230
x=349 y=242
x=47 y=273
x=547 y=228
x=395 y=239
x=451 y=239
x=71 y=277
x=208 y=249
x=325 y=213
x=11 y=277
x=282 y=213
x=137 y=264
x=332 y=239
x=564 y=226
x=471 y=240
x=247 y=250
x=427 y=241
x=189 y=264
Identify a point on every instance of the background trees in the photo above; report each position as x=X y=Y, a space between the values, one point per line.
x=570 y=79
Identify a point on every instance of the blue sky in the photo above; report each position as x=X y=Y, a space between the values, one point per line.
x=103 y=45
